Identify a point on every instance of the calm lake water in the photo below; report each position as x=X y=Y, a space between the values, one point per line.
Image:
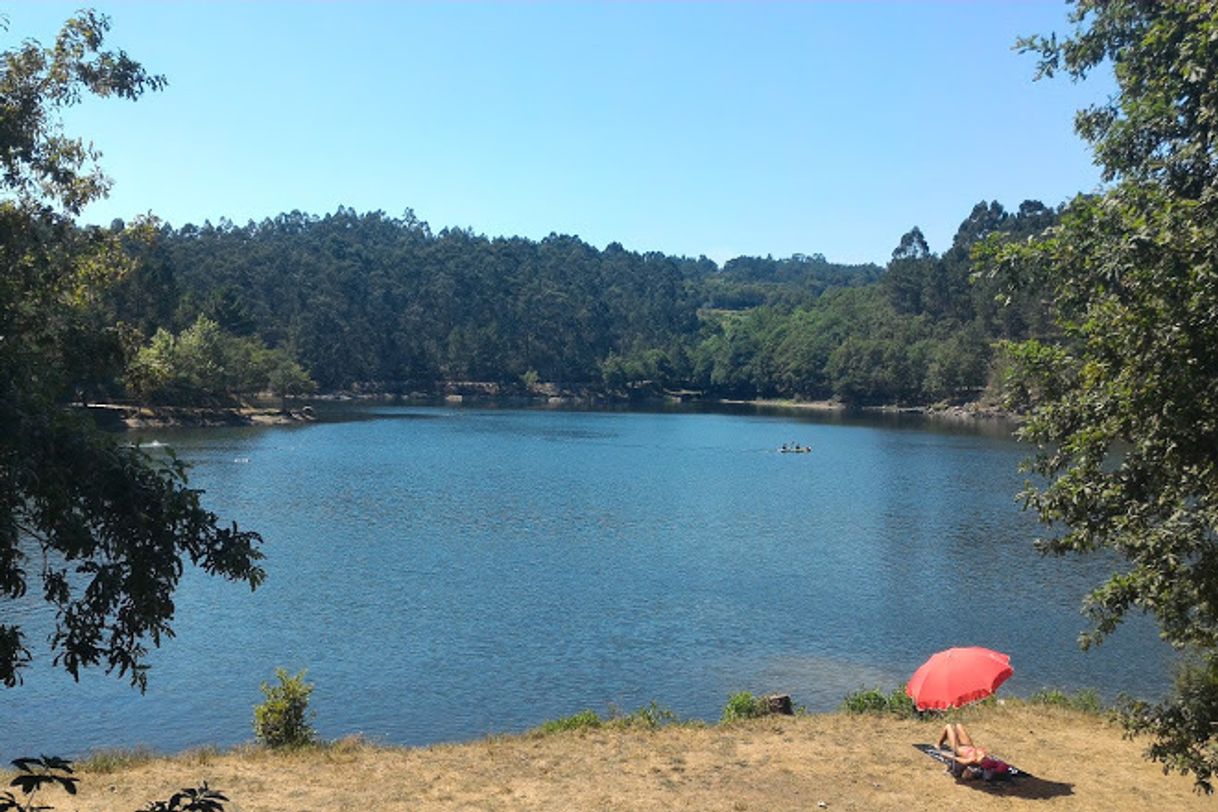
x=448 y=573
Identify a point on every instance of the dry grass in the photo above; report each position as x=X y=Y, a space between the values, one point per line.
x=1079 y=762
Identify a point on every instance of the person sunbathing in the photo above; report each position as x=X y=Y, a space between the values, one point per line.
x=964 y=752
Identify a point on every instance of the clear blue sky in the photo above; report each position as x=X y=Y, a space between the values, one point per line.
x=719 y=129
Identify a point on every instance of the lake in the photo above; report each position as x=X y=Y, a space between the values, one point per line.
x=445 y=573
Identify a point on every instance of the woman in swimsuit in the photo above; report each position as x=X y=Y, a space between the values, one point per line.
x=964 y=752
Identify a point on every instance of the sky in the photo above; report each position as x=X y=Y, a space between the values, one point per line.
x=717 y=129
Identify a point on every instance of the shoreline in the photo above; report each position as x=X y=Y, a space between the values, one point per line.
x=964 y=412
x=783 y=403
x=122 y=416
x=834 y=761
x=131 y=416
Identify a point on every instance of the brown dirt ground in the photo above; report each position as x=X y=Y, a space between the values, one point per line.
x=1078 y=762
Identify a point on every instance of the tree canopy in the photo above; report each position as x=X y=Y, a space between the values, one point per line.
x=373 y=301
x=95 y=528
x=1125 y=404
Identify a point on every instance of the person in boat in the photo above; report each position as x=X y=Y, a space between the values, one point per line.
x=964 y=752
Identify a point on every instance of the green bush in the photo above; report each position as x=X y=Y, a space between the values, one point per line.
x=190 y=799
x=1086 y=700
x=577 y=721
x=283 y=719
x=650 y=716
x=865 y=701
x=204 y=365
x=1050 y=696
x=901 y=703
x=873 y=700
x=744 y=706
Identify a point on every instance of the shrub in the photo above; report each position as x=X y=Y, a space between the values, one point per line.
x=577 y=721
x=901 y=703
x=650 y=716
x=283 y=719
x=865 y=701
x=873 y=700
x=1050 y=696
x=1086 y=700
x=190 y=799
x=744 y=705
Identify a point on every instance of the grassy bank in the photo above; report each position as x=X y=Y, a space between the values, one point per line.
x=1078 y=761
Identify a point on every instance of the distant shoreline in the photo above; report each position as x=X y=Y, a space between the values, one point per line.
x=971 y=411
x=782 y=403
x=142 y=416
x=132 y=416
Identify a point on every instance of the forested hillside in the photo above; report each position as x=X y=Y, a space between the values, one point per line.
x=385 y=303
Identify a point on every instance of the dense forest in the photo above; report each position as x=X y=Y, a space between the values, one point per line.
x=368 y=301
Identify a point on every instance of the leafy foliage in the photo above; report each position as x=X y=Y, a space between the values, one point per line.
x=743 y=705
x=1182 y=726
x=283 y=720
x=651 y=717
x=746 y=282
x=42 y=166
x=203 y=364
x=1086 y=700
x=383 y=300
x=387 y=303
x=190 y=799
x=577 y=721
x=873 y=700
x=34 y=774
x=108 y=528
x=1125 y=404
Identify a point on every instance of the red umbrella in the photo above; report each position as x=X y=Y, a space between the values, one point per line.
x=957 y=677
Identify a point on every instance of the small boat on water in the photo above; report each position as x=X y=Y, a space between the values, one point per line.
x=795 y=449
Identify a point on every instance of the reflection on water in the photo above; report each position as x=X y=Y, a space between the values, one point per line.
x=445 y=573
